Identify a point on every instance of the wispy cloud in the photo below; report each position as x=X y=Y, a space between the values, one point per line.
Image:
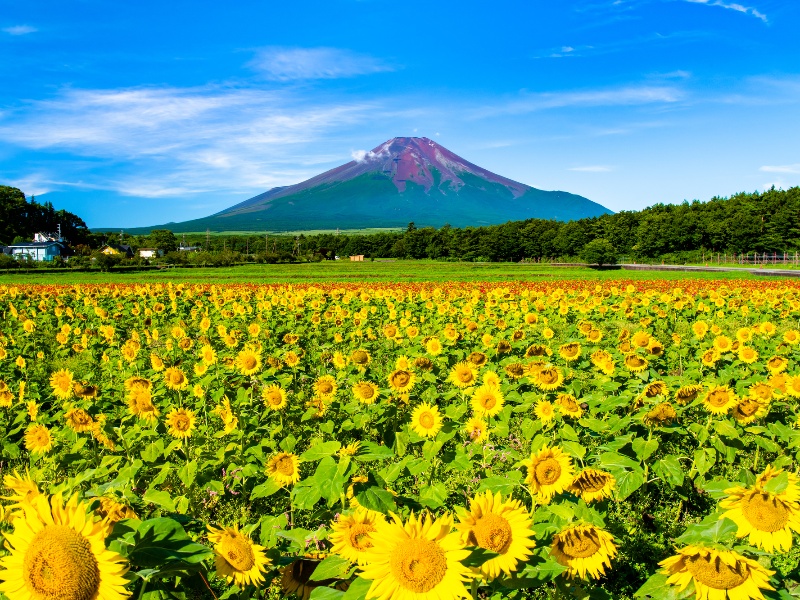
x=795 y=168
x=20 y=30
x=622 y=96
x=592 y=169
x=748 y=10
x=288 y=64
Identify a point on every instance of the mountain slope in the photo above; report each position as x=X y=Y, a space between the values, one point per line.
x=402 y=180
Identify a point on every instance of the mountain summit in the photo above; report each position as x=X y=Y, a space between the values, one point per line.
x=404 y=179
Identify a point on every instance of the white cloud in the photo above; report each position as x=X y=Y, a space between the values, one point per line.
x=592 y=169
x=20 y=30
x=795 y=168
x=748 y=10
x=362 y=156
x=288 y=64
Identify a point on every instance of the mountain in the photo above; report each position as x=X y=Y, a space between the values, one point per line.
x=404 y=179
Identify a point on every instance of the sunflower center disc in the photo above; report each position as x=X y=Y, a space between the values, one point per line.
x=547 y=471
x=765 y=513
x=274 y=398
x=285 y=466
x=237 y=551
x=426 y=420
x=488 y=402
x=748 y=408
x=359 y=357
x=579 y=544
x=716 y=574
x=249 y=362
x=492 y=532
x=59 y=565
x=419 y=565
x=325 y=387
x=401 y=378
x=548 y=376
x=718 y=399
x=465 y=376
x=359 y=536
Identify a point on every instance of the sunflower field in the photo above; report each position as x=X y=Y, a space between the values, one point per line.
x=401 y=441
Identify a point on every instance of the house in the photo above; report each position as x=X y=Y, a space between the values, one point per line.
x=357 y=257
x=118 y=249
x=183 y=248
x=38 y=251
x=150 y=253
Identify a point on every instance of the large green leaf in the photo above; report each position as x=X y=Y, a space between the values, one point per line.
x=320 y=451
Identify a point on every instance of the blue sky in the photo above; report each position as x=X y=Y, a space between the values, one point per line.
x=137 y=113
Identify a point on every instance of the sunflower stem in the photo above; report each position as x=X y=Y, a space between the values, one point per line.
x=474 y=589
x=142 y=589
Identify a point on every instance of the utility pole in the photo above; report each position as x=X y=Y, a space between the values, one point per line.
x=208 y=238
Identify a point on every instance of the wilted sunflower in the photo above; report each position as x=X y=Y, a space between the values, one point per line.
x=635 y=363
x=296 y=578
x=236 y=557
x=568 y=405
x=463 y=375
x=487 y=401
x=416 y=559
x=750 y=408
x=550 y=471
x=424 y=363
x=248 y=362
x=351 y=536
x=477 y=359
x=538 y=350
x=777 y=364
x=688 y=393
x=360 y=358
x=549 y=378
x=583 y=549
x=175 y=379
x=717 y=573
x=79 y=420
x=592 y=485
x=655 y=388
x=765 y=518
x=570 y=352
x=113 y=512
x=141 y=405
x=61 y=382
x=719 y=399
x=284 y=468
x=180 y=422
x=661 y=414
x=477 y=430
x=59 y=551
x=402 y=381
x=426 y=420
x=498 y=526
x=365 y=392
x=515 y=370
x=38 y=439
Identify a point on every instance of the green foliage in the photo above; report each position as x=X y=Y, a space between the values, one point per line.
x=599 y=252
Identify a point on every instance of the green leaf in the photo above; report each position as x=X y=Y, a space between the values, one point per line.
x=434 y=495
x=333 y=567
x=377 y=499
x=627 y=483
x=159 y=498
x=265 y=489
x=778 y=484
x=670 y=470
x=358 y=589
x=297 y=537
x=644 y=448
x=505 y=485
x=657 y=588
x=573 y=448
x=616 y=461
x=725 y=429
x=478 y=556
x=330 y=480
x=153 y=452
x=163 y=546
x=325 y=593
x=320 y=451
x=187 y=473
x=716 y=489
x=371 y=451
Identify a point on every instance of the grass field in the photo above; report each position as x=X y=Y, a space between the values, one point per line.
x=397 y=271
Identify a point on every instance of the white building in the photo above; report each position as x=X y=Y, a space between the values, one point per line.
x=150 y=253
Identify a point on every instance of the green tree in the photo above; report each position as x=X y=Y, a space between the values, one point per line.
x=163 y=239
x=600 y=252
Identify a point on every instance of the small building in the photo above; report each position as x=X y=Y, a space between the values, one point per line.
x=38 y=251
x=357 y=258
x=118 y=249
x=183 y=248
x=150 y=253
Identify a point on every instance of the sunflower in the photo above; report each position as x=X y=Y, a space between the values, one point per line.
x=487 y=401
x=710 y=357
x=688 y=393
x=248 y=362
x=477 y=359
x=85 y=391
x=61 y=382
x=463 y=375
x=570 y=352
x=296 y=578
x=766 y=518
x=700 y=328
x=747 y=354
x=236 y=557
x=351 y=534
x=59 y=551
x=402 y=381
x=284 y=468
x=793 y=386
x=661 y=414
x=24 y=489
x=583 y=549
x=640 y=339
x=141 y=405
x=477 y=430
x=292 y=359
x=433 y=346
x=426 y=420
x=360 y=358
x=792 y=337
x=424 y=363
x=592 y=485
x=723 y=344
x=416 y=559
x=79 y=420
x=549 y=378
x=498 y=526
x=777 y=364
x=180 y=422
x=325 y=387
x=544 y=411
x=550 y=471
x=719 y=399
x=274 y=397
x=402 y=363
x=568 y=405
x=750 y=408
x=175 y=379
x=38 y=439
x=538 y=350
x=717 y=573
x=208 y=355
x=365 y=392
x=635 y=363
x=515 y=370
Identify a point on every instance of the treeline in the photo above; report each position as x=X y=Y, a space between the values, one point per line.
x=21 y=218
x=745 y=223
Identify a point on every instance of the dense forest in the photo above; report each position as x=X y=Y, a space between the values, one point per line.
x=745 y=223
x=21 y=218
